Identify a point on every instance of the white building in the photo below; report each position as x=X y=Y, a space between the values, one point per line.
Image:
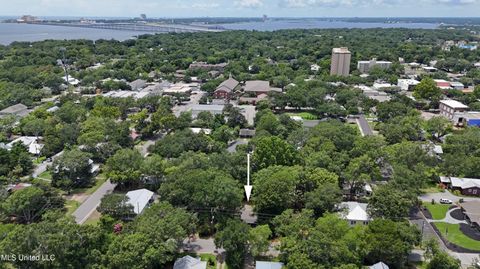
x=448 y=108
x=366 y=66
x=315 y=67
x=189 y=262
x=355 y=213
x=457 y=85
x=407 y=84
x=139 y=199
x=71 y=80
x=31 y=142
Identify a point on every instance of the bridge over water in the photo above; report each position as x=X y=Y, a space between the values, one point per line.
x=139 y=27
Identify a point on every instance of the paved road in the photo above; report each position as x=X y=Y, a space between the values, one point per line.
x=86 y=209
x=365 y=128
x=143 y=148
x=447 y=195
x=39 y=169
x=233 y=147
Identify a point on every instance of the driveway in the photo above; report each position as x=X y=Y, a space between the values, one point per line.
x=199 y=245
x=39 y=169
x=86 y=209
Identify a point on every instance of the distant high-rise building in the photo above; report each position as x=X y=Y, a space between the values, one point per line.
x=265 y=17
x=143 y=16
x=340 y=62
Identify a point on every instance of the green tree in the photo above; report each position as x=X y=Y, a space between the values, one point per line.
x=324 y=198
x=124 y=167
x=438 y=126
x=273 y=150
x=116 y=206
x=234 y=239
x=390 y=242
x=427 y=89
x=390 y=202
x=72 y=170
x=259 y=240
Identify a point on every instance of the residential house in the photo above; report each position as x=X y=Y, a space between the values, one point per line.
x=246 y=133
x=457 y=85
x=448 y=108
x=268 y=265
x=355 y=213
x=189 y=262
x=379 y=265
x=407 y=84
x=140 y=199
x=471 y=211
x=138 y=84
x=443 y=84
x=31 y=142
x=226 y=89
x=466 y=186
x=18 y=110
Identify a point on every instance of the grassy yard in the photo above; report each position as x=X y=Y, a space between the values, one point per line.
x=100 y=179
x=438 y=211
x=456 y=236
x=304 y=115
x=210 y=259
x=71 y=206
x=39 y=160
x=45 y=175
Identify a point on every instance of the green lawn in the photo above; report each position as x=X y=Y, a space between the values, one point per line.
x=210 y=259
x=100 y=179
x=46 y=175
x=438 y=211
x=456 y=236
x=71 y=206
x=304 y=115
x=39 y=160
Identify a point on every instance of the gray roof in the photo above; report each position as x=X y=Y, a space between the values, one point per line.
x=247 y=132
x=136 y=84
x=268 y=265
x=228 y=85
x=379 y=265
x=257 y=86
x=189 y=262
x=15 y=109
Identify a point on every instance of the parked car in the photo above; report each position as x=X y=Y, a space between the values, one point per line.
x=446 y=201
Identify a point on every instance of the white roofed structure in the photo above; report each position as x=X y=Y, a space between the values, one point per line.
x=355 y=213
x=139 y=199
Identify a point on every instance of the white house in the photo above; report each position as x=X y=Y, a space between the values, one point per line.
x=189 y=262
x=355 y=213
x=31 y=142
x=139 y=199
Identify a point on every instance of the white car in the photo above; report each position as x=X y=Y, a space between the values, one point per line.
x=446 y=201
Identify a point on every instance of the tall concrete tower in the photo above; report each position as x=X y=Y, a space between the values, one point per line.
x=340 y=62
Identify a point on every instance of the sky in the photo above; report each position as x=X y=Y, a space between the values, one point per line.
x=243 y=8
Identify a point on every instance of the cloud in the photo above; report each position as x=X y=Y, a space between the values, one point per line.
x=202 y=5
x=367 y=3
x=249 y=3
